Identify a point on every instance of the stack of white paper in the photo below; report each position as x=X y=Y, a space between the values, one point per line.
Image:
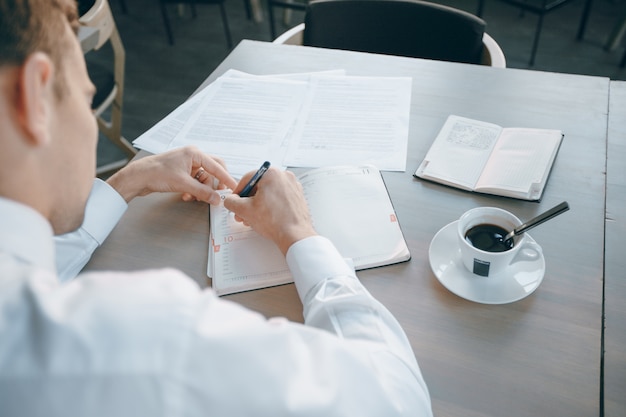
x=298 y=120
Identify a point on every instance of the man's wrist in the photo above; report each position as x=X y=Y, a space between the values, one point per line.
x=293 y=235
x=123 y=181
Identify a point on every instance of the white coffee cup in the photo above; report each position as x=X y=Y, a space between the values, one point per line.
x=488 y=264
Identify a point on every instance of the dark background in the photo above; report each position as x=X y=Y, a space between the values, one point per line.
x=159 y=76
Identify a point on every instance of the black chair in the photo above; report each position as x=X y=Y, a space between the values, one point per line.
x=541 y=8
x=283 y=4
x=616 y=37
x=193 y=3
x=410 y=28
x=492 y=53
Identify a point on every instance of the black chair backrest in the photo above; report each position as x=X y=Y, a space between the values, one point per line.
x=84 y=6
x=395 y=27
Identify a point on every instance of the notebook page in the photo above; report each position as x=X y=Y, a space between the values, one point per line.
x=520 y=162
x=240 y=259
x=459 y=152
x=350 y=206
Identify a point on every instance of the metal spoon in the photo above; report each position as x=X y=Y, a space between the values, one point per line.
x=535 y=221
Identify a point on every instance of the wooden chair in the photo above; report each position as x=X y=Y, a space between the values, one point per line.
x=541 y=8
x=109 y=81
x=410 y=28
x=492 y=54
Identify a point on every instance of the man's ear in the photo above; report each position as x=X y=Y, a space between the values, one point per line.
x=35 y=94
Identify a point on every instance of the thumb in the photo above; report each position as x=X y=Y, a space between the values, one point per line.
x=233 y=203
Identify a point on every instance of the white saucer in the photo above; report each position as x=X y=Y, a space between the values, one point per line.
x=445 y=260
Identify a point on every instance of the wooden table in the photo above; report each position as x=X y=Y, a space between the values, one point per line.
x=540 y=356
x=615 y=283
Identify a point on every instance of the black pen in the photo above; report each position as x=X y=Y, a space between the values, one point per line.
x=255 y=178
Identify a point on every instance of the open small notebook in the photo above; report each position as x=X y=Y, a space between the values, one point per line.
x=349 y=205
x=486 y=158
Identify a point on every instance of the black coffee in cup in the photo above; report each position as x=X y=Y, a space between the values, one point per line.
x=488 y=237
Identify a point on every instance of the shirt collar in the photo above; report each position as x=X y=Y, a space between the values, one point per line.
x=26 y=235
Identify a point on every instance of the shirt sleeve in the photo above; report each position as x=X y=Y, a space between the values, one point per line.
x=103 y=211
x=335 y=300
x=155 y=340
x=351 y=358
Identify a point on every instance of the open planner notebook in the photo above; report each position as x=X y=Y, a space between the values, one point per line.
x=348 y=204
x=483 y=157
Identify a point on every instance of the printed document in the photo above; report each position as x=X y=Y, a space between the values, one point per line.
x=299 y=120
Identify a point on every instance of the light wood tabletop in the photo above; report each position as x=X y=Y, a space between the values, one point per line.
x=615 y=283
x=540 y=356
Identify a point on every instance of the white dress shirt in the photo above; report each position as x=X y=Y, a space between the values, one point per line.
x=104 y=210
x=153 y=343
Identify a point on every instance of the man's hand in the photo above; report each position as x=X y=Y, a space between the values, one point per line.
x=186 y=170
x=277 y=210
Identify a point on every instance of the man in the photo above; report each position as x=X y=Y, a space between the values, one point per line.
x=152 y=343
x=179 y=170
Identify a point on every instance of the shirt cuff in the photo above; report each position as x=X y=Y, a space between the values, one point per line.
x=313 y=260
x=104 y=209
